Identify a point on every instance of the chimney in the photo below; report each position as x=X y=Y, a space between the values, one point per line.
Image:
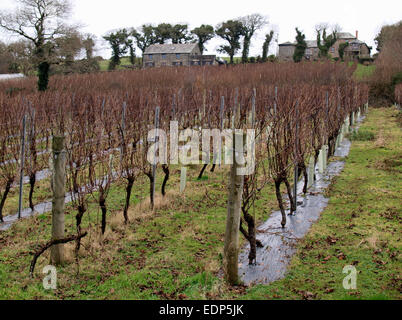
x=357 y=34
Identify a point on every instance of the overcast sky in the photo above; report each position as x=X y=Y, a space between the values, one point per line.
x=366 y=16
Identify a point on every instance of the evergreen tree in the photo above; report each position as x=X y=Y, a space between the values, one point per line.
x=231 y=31
x=265 y=46
x=118 y=43
x=251 y=24
x=179 y=33
x=131 y=50
x=163 y=32
x=301 y=46
x=327 y=42
x=342 y=48
x=144 y=37
x=204 y=33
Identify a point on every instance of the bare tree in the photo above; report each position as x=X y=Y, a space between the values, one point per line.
x=251 y=23
x=40 y=22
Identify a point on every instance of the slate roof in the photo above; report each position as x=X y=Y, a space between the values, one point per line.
x=288 y=43
x=345 y=35
x=311 y=43
x=171 y=48
x=356 y=41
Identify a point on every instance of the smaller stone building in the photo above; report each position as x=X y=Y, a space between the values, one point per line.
x=286 y=51
x=355 y=50
x=312 y=50
x=182 y=54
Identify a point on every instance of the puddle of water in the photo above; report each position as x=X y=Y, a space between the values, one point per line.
x=9 y=76
x=279 y=244
x=40 y=208
x=40 y=175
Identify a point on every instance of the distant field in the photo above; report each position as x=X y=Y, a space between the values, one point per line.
x=125 y=61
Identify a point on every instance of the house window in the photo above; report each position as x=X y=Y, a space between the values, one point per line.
x=332 y=49
x=150 y=56
x=163 y=55
x=177 y=55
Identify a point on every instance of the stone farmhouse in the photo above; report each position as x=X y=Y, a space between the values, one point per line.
x=182 y=54
x=355 y=51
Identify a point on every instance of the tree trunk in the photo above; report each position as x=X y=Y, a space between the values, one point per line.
x=78 y=220
x=3 y=199
x=303 y=169
x=331 y=146
x=213 y=167
x=290 y=195
x=165 y=169
x=280 y=202
x=246 y=49
x=251 y=237
x=129 y=187
x=245 y=234
x=43 y=74
x=32 y=180
x=202 y=171
x=151 y=189
x=102 y=204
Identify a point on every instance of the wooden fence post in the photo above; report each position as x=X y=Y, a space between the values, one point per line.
x=231 y=249
x=22 y=165
x=325 y=156
x=154 y=160
x=59 y=191
x=321 y=161
x=183 y=176
x=310 y=172
x=218 y=157
x=123 y=129
x=296 y=168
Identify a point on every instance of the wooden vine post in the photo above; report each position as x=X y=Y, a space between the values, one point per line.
x=157 y=110
x=22 y=166
x=231 y=248
x=59 y=191
x=296 y=168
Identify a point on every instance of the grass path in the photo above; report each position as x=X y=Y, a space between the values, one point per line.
x=176 y=251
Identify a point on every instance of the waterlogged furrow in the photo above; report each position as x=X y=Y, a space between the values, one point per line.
x=43 y=207
x=279 y=244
